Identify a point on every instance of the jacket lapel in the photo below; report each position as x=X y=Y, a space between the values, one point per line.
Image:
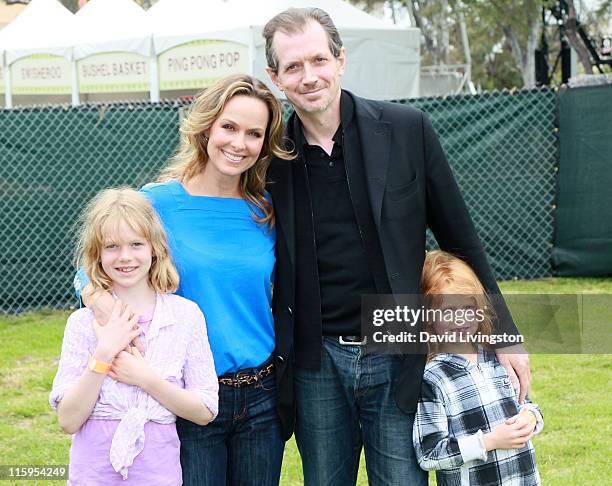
x=280 y=185
x=375 y=137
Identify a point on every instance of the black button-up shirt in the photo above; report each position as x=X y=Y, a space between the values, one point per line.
x=335 y=233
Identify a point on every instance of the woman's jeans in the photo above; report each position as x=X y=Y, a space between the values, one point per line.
x=348 y=404
x=242 y=446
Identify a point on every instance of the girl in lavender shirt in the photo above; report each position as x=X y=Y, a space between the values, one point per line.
x=121 y=405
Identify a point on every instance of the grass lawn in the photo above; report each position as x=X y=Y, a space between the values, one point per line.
x=570 y=389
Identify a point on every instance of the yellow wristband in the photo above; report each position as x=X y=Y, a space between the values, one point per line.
x=98 y=366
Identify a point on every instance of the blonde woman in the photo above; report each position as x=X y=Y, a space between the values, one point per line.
x=220 y=222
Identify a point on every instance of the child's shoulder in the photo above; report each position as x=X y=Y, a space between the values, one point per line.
x=81 y=320
x=181 y=305
x=444 y=368
x=445 y=362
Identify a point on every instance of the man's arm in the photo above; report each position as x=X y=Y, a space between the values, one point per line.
x=451 y=224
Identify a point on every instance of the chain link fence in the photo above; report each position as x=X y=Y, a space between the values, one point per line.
x=502 y=147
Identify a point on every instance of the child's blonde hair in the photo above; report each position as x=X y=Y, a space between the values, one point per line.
x=444 y=273
x=100 y=220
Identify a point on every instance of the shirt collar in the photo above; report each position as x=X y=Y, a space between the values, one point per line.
x=484 y=356
x=162 y=316
x=347 y=113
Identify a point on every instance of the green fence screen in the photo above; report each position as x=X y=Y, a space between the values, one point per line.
x=583 y=237
x=503 y=151
x=502 y=147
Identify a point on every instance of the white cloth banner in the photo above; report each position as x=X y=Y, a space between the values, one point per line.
x=113 y=72
x=41 y=74
x=200 y=63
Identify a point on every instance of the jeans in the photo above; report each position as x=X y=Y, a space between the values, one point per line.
x=348 y=404
x=243 y=446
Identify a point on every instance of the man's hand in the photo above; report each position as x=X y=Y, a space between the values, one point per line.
x=516 y=361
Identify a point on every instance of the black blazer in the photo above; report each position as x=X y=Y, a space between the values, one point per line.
x=411 y=187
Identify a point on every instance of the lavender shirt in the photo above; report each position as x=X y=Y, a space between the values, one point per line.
x=176 y=347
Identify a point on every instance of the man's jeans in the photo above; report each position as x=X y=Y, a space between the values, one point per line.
x=242 y=446
x=349 y=403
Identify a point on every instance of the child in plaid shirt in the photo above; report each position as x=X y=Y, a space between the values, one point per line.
x=469 y=426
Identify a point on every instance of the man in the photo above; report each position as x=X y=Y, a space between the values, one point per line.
x=352 y=210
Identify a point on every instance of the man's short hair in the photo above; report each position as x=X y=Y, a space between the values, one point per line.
x=294 y=20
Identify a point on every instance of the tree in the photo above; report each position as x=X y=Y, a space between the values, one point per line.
x=520 y=23
x=571 y=30
x=496 y=37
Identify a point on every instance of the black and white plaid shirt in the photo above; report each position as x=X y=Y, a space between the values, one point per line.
x=459 y=402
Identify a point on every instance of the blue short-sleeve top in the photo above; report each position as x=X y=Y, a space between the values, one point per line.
x=225 y=260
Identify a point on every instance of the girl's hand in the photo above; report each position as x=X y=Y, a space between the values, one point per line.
x=524 y=422
x=101 y=304
x=117 y=333
x=513 y=434
x=131 y=368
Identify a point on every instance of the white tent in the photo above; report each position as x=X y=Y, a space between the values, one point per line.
x=43 y=27
x=38 y=42
x=383 y=60
x=113 y=48
x=111 y=26
x=175 y=22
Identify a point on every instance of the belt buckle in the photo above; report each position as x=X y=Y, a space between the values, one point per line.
x=247 y=379
x=363 y=342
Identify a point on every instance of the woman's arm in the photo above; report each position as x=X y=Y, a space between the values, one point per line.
x=99 y=301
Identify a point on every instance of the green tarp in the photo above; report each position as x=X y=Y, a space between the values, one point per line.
x=583 y=235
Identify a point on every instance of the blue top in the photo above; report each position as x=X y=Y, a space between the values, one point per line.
x=225 y=261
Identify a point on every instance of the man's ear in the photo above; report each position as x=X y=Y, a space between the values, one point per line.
x=342 y=59
x=274 y=77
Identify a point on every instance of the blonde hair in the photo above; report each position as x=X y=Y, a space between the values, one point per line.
x=442 y=272
x=100 y=220
x=191 y=155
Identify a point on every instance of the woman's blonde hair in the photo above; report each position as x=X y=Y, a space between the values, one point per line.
x=99 y=222
x=191 y=155
x=444 y=272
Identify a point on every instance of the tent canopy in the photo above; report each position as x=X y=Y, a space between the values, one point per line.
x=43 y=27
x=344 y=15
x=383 y=59
x=111 y=25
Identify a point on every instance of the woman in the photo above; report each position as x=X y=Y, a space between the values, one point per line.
x=220 y=223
